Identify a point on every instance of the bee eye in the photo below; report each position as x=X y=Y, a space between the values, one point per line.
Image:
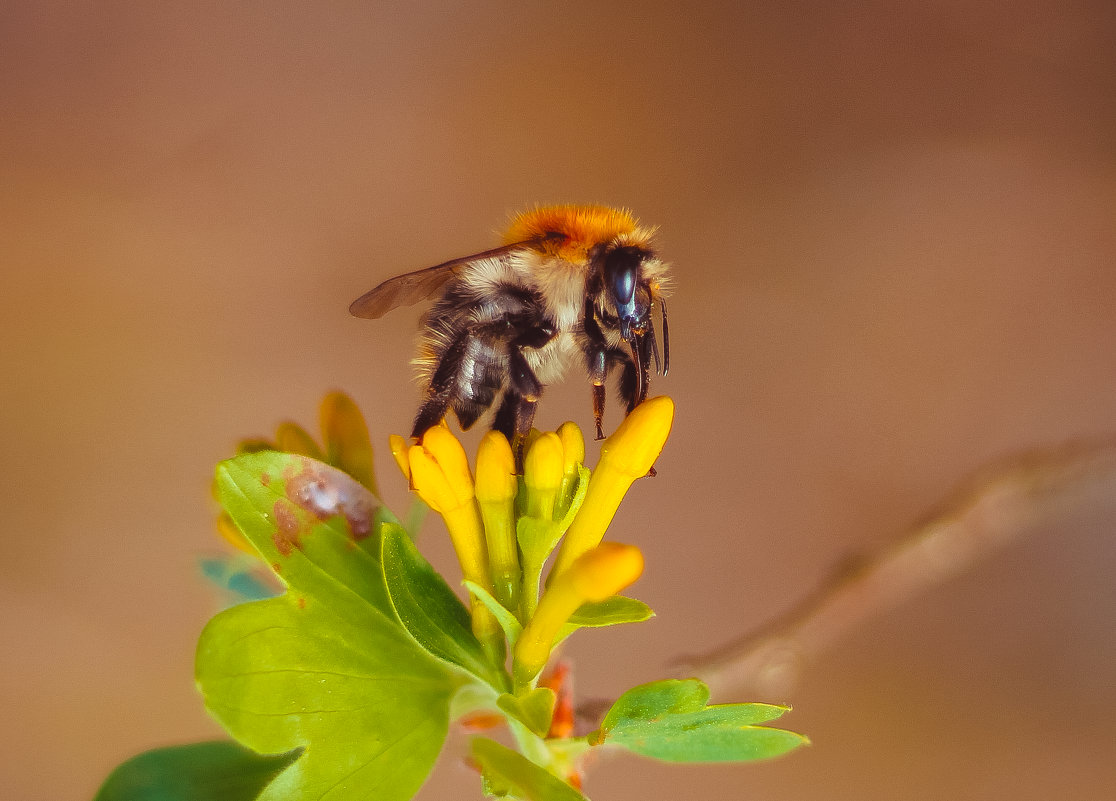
x=621 y=271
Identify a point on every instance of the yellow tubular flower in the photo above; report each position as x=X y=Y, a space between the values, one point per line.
x=573 y=456
x=542 y=474
x=596 y=575
x=455 y=486
x=573 y=447
x=496 y=488
x=399 y=448
x=439 y=471
x=529 y=439
x=440 y=475
x=628 y=454
x=345 y=436
x=293 y=438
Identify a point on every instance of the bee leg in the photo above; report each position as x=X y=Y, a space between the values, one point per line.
x=634 y=378
x=505 y=420
x=598 y=372
x=629 y=381
x=641 y=354
x=440 y=392
x=517 y=412
x=598 y=408
x=523 y=394
x=523 y=378
x=597 y=362
x=513 y=420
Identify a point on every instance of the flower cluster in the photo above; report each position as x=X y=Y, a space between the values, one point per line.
x=345 y=572
x=504 y=523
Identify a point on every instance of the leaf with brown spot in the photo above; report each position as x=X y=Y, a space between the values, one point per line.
x=326 y=667
x=306 y=534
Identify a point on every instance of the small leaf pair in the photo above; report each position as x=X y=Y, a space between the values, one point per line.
x=669 y=720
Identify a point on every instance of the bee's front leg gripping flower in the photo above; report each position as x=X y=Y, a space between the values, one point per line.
x=628 y=454
x=594 y=576
x=439 y=472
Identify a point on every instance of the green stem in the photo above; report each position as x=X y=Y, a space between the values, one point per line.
x=529 y=596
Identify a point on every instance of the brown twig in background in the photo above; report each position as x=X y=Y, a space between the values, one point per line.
x=991 y=510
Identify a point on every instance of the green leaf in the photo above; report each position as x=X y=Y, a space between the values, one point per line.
x=669 y=720
x=578 y=498
x=326 y=667
x=430 y=611
x=304 y=518
x=537 y=537
x=507 y=772
x=650 y=701
x=609 y=612
x=508 y=622
x=534 y=709
x=382 y=517
x=214 y=771
x=412 y=523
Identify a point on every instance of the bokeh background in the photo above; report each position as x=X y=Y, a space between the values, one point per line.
x=894 y=232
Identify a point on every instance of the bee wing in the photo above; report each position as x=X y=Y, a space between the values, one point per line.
x=410 y=288
x=402 y=290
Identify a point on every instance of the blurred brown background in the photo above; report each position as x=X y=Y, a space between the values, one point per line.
x=894 y=230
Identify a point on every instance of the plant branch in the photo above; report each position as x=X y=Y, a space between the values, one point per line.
x=994 y=508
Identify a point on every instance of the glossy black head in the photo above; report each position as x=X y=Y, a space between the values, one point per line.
x=620 y=275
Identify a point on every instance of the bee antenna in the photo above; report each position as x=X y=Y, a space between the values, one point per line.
x=666 y=340
x=654 y=345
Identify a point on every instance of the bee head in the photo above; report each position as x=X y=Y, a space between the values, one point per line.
x=620 y=274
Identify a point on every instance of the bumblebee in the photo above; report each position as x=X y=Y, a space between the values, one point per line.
x=570 y=283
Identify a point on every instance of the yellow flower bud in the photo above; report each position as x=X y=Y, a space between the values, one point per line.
x=529 y=439
x=603 y=572
x=628 y=454
x=293 y=438
x=594 y=576
x=496 y=481
x=573 y=447
x=440 y=475
x=227 y=529
x=638 y=440
x=451 y=484
x=346 y=438
x=428 y=479
x=496 y=489
x=542 y=474
x=399 y=448
x=573 y=456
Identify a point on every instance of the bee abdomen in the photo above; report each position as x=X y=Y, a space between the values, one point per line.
x=482 y=374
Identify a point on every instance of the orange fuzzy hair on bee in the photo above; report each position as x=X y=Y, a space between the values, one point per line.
x=581 y=226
